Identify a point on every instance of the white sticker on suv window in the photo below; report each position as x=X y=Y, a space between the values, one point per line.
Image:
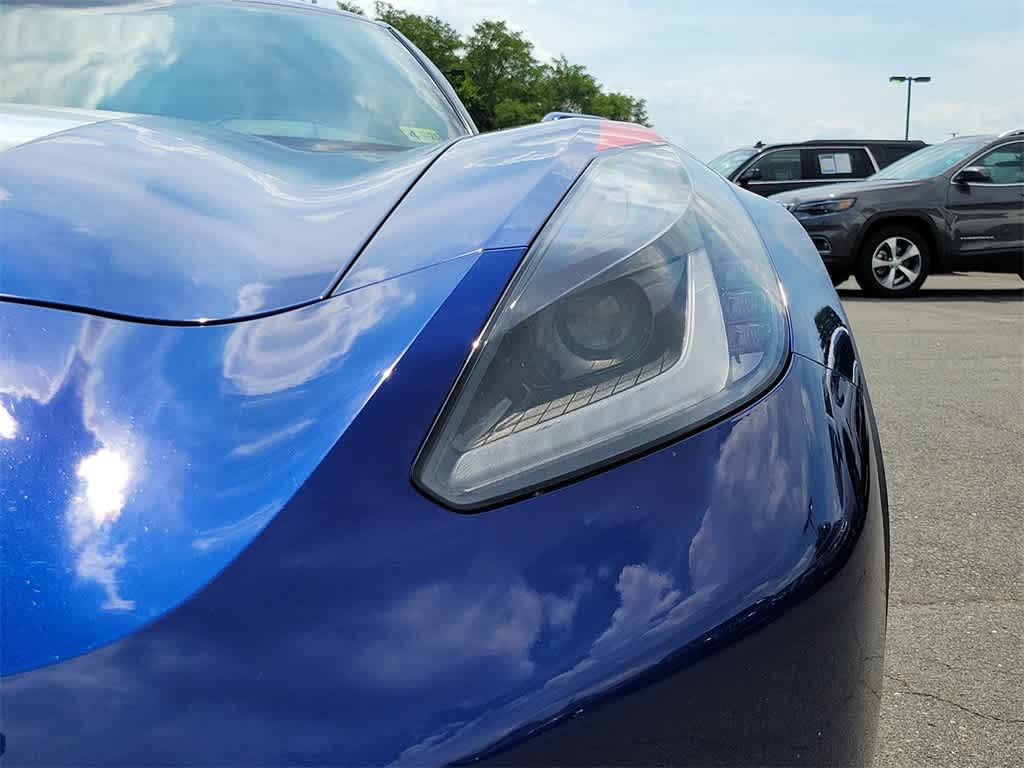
x=835 y=162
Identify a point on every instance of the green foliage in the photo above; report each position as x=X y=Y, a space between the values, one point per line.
x=619 y=106
x=508 y=113
x=350 y=7
x=501 y=66
x=568 y=87
x=497 y=76
x=438 y=40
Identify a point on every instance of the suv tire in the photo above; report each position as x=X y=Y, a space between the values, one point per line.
x=893 y=262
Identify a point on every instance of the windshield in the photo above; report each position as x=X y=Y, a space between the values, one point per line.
x=930 y=161
x=730 y=161
x=309 y=78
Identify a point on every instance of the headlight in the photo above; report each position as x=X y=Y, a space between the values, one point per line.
x=821 y=207
x=646 y=308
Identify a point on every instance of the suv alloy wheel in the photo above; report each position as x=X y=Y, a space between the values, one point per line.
x=893 y=262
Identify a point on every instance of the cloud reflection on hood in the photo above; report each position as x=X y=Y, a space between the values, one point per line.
x=58 y=54
x=128 y=449
x=726 y=564
x=460 y=629
x=262 y=358
x=8 y=424
x=104 y=477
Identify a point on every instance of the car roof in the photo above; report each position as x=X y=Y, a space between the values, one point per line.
x=323 y=6
x=844 y=143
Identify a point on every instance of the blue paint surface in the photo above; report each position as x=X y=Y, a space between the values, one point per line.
x=171 y=220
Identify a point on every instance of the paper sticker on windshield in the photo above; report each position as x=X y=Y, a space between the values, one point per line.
x=421 y=135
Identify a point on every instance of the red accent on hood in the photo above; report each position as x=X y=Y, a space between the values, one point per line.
x=614 y=134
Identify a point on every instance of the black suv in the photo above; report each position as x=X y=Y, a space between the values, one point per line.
x=783 y=167
x=958 y=205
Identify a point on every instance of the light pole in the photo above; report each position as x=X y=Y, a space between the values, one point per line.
x=910 y=82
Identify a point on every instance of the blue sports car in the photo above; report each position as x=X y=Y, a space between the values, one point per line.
x=334 y=433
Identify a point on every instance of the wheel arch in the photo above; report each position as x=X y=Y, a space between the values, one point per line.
x=919 y=221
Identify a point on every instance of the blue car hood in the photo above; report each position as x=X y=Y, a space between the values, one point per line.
x=138 y=459
x=176 y=221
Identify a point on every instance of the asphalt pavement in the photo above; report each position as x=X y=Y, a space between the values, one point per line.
x=946 y=375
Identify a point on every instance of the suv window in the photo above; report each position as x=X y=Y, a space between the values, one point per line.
x=1006 y=163
x=730 y=161
x=779 y=165
x=931 y=161
x=839 y=163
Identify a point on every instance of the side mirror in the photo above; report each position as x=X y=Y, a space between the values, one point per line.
x=976 y=174
x=751 y=174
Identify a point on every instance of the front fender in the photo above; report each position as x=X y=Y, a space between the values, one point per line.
x=718 y=601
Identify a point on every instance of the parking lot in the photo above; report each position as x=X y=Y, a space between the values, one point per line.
x=946 y=372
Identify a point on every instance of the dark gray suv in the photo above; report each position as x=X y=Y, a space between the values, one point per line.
x=958 y=205
x=769 y=169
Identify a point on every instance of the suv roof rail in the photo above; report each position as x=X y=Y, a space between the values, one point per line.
x=869 y=141
x=846 y=142
x=1012 y=132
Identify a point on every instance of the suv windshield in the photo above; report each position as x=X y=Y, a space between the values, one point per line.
x=931 y=161
x=306 y=77
x=730 y=161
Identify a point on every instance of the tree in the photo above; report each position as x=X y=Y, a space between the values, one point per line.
x=438 y=40
x=500 y=69
x=509 y=113
x=497 y=76
x=566 y=87
x=619 y=106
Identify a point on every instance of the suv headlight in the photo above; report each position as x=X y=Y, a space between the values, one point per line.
x=821 y=207
x=646 y=308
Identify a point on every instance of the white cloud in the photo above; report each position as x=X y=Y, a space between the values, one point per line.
x=8 y=424
x=654 y=612
x=104 y=477
x=271 y=440
x=235 y=532
x=794 y=96
x=260 y=358
x=445 y=629
x=114 y=474
x=51 y=52
x=721 y=76
x=645 y=596
x=595 y=26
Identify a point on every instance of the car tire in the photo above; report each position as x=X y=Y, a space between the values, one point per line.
x=893 y=263
x=838 y=279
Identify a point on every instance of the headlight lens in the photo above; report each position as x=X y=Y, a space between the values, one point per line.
x=821 y=207
x=646 y=308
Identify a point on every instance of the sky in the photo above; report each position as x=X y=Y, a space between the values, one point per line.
x=719 y=75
